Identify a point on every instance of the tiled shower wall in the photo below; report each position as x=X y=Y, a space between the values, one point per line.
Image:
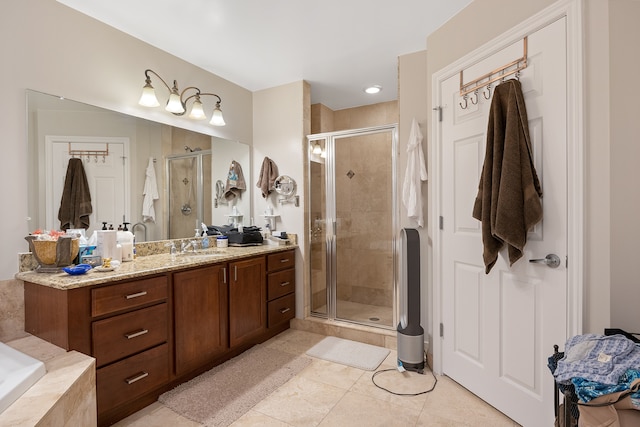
x=365 y=260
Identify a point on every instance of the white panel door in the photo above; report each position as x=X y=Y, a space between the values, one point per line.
x=106 y=177
x=499 y=328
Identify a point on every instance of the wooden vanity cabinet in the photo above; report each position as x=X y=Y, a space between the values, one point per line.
x=281 y=286
x=200 y=316
x=129 y=335
x=247 y=300
x=152 y=333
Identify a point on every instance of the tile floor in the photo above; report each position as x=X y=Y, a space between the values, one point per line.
x=330 y=394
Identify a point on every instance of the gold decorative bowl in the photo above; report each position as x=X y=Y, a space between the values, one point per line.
x=53 y=254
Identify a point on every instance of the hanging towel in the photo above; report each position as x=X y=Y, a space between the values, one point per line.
x=508 y=201
x=416 y=173
x=267 y=177
x=75 y=205
x=235 y=181
x=150 y=193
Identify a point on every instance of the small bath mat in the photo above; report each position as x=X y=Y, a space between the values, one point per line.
x=350 y=353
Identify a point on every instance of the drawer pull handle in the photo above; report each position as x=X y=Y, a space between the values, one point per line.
x=136 y=295
x=284 y=260
x=136 y=334
x=284 y=310
x=284 y=283
x=137 y=377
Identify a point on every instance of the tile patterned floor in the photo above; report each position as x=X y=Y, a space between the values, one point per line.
x=328 y=394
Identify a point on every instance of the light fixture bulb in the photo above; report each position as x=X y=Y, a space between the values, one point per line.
x=197 y=112
x=216 y=118
x=148 y=97
x=174 y=105
x=373 y=89
x=317 y=149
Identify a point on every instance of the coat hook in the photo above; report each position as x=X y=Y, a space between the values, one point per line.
x=475 y=93
x=465 y=98
x=487 y=93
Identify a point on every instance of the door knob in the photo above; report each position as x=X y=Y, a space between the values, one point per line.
x=551 y=260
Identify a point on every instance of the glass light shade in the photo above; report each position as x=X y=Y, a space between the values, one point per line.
x=317 y=149
x=197 y=112
x=174 y=105
x=148 y=97
x=217 y=119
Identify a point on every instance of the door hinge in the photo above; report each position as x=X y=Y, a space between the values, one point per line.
x=439 y=110
x=441 y=223
x=441 y=330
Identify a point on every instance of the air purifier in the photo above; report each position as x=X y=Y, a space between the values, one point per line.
x=410 y=332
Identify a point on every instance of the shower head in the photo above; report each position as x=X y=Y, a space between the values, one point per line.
x=191 y=150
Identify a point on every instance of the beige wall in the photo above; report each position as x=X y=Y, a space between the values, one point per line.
x=53 y=49
x=624 y=37
x=413 y=89
x=280 y=134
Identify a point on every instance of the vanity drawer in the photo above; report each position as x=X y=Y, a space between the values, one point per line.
x=281 y=283
x=125 y=380
x=281 y=309
x=111 y=299
x=130 y=333
x=281 y=260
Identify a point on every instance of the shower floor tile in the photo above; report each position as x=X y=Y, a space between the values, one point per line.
x=362 y=313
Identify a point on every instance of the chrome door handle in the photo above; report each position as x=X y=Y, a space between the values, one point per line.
x=551 y=260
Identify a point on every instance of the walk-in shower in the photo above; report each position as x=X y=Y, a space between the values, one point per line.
x=352 y=223
x=189 y=191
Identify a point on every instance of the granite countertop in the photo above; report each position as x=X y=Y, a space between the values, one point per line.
x=149 y=265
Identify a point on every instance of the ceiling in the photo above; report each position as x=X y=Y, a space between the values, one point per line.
x=338 y=46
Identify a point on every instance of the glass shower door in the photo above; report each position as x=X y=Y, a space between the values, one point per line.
x=352 y=223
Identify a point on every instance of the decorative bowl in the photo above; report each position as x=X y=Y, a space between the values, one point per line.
x=77 y=269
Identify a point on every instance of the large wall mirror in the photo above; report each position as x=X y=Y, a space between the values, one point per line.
x=121 y=154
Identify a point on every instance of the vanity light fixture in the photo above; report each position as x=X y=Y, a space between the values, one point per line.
x=373 y=89
x=177 y=103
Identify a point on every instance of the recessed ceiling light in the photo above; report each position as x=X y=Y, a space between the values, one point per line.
x=373 y=89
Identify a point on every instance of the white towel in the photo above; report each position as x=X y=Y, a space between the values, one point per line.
x=415 y=173
x=150 y=193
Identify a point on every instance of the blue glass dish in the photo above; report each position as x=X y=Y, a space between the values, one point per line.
x=77 y=269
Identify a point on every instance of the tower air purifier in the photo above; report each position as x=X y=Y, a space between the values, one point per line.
x=410 y=333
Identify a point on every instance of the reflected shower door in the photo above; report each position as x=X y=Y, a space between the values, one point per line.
x=353 y=225
x=189 y=193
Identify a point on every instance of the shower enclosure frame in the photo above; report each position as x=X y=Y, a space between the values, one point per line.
x=330 y=226
x=198 y=156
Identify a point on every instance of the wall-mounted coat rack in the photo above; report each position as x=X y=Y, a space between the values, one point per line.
x=486 y=80
x=87 y=154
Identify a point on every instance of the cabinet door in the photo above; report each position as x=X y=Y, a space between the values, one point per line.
x=200 y=310
x=247 y=300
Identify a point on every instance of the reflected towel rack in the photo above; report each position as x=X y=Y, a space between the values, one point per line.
x=90 y=153
x=514 y=67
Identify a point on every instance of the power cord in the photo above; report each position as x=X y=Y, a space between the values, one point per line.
x=435 y=381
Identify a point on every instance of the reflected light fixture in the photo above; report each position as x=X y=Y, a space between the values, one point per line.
x=317 y=149
x=177 y=102
x=373 y=89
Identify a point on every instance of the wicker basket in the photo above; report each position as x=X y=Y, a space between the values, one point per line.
x=51 y=253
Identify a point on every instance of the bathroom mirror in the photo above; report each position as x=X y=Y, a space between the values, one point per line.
x=116 y=144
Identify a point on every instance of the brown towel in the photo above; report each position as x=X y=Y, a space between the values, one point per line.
x=267 y=177
x=235 y=181
x=508 y=201
x=75 y=205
